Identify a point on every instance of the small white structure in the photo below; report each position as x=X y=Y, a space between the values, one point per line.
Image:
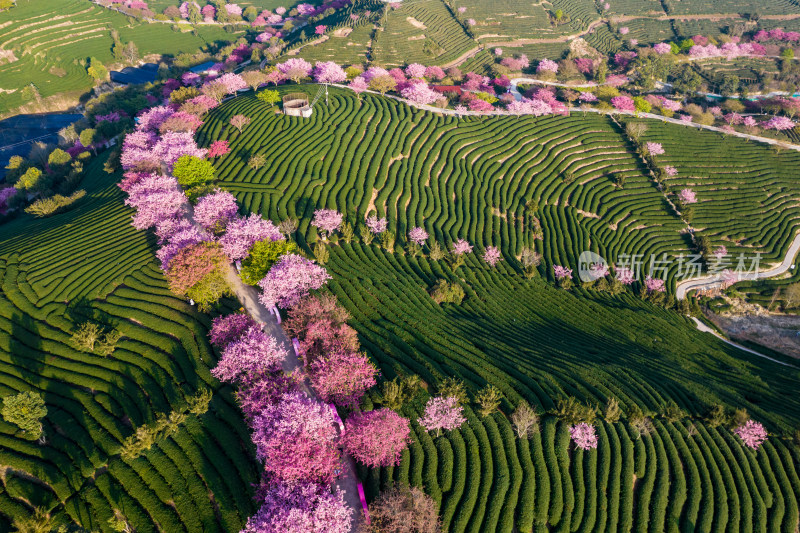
x=296 y=105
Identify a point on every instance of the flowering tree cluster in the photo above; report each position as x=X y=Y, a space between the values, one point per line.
x=654 y=284
x=687 y=196
x=242 y=233
x=654 y=148
x=226 y=329
x=376 y=438
x=290 y=279
x=308 y=426
x=300 y=508
x=215 y=210
x=252 y=351
x=342 y=376
x=492 y=255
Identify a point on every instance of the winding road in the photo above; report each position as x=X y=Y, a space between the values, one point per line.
x=710 y=282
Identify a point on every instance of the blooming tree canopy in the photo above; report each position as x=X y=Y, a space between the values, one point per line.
x=655 y=148
x=461 y=247
x=242 y=233
x=752 y=433
x=376 y=438
x=327 y=220
x=307 y=425
x=301 y=508
x=376 y=225
x=228 y=328
x=662 y=48
x=420 y=93
x=218 y=148
x=584 y=436
x=290 y=279
x=295 y=69
x=342 y=376
x=253 y=351
x=623 y=103
x=492 y=255
x=442 y=413
x=215 y=210
x=562 y=272
x=418 y=236
x=654 y=284
x=547 y=65
x=329 y=72
x=687 y=196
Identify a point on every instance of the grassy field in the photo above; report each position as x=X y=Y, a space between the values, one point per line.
x=91 y=264
x=471 y=178
x=48 y=43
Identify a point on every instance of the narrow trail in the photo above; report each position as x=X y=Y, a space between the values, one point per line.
x=710 y=282
x=248 y=297
x=705 y=329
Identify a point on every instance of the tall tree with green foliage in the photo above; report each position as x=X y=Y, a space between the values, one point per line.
x=262 y=256
x=26 y=410
x=192 y=171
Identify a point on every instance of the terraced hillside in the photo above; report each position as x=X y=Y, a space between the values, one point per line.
x=472 y=178
x=542 y=344
x=89 y=264
x=484 y=179
x=422 y=31
x=47 y=43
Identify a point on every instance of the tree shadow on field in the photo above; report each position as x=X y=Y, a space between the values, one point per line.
x=25 y=344
x=83 y=310
x=660 y=357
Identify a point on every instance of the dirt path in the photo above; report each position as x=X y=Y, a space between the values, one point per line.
x=248 y=297
x=710 y=282
x=463 y=57
x=705 y=329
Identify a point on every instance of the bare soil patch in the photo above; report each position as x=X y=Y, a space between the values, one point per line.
x=342 y=32
x=417 y=24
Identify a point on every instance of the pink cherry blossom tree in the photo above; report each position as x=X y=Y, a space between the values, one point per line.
x=442 y=413
x=662 y=48
x=242 y=233
x=654 y=284
x=562 y=272
x=358 y=85
x=226 y=329
x=177 y=242
x=290 y=279
x=329 y=72
x=376 y=225
x=420 y=93
x=296 y=440
x=295 y=69
x=461 y=247
x=547 y=65
x=232 y=82
x=671 y=171
x=625 y=275
x=654 y=148
x=320 y=29
x=492 y=255
x=300 y=508
x=415 y=70
x=215 y=210
x=584 y=436
x=253 y=351
x=342 y=377
x=623 y=103
x=778 y=123
x=376 y=438
x=218 y=148
x=418 y=236
x=752 y=433
x=687 y=196
x=327 y=220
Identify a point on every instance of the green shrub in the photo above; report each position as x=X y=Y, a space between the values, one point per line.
x=262 y=256
x=444 y=292
x=192 y=171
x=25 y=410
x=55 y=204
